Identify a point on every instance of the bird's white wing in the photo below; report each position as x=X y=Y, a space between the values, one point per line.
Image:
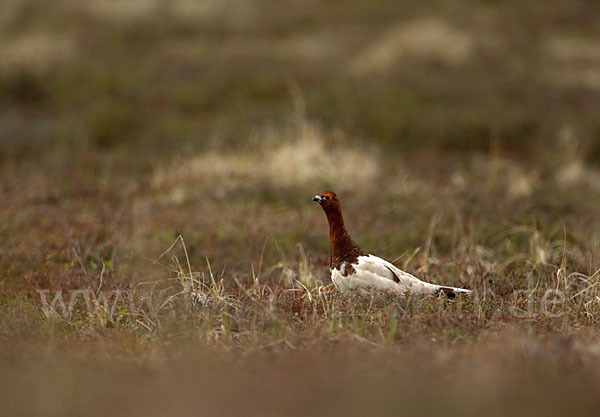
x=387 y=270
x=414 y=284
x=373 y=272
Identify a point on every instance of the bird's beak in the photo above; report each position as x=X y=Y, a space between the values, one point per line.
x=317 y=199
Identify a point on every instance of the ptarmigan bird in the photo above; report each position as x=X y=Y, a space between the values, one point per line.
x=351 y=267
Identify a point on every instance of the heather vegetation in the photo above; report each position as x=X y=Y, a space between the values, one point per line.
x=160 y=253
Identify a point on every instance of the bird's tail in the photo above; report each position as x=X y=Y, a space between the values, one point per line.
x=450 y=292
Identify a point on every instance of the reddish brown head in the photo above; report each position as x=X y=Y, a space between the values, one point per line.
x=343 y=248
x=329 y=201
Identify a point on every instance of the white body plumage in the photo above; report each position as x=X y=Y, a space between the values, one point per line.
x=373 y=272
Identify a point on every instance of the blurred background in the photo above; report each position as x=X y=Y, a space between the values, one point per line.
x=182 y=75
x=124 y=123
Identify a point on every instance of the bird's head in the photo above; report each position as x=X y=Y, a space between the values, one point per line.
x=328 y=200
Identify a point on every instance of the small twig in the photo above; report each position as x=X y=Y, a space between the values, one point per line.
x=261 y=258
x=169 y=249
x=85 y=273
x=101 y=279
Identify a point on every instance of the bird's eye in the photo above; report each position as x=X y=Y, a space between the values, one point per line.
x=327 y=197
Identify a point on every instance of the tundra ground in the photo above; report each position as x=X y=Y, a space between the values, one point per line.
x=160 y=253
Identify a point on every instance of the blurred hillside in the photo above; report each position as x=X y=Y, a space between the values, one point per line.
x=177 y=75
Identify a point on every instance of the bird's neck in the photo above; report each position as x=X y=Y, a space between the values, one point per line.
x=343 y=248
